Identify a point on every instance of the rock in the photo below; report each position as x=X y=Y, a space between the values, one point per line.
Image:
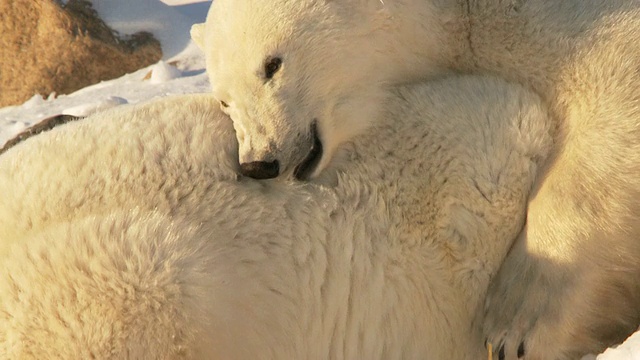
x=42 y=126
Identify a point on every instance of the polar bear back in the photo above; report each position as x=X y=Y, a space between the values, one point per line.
x=388 y=255
x=130 y=157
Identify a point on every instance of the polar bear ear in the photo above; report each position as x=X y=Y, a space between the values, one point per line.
x=197 y=33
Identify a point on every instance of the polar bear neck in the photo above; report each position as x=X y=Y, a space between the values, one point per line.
x=531 y=42
x=435 y=38
x=509 y=38
x=408 y=39
x=523 y=41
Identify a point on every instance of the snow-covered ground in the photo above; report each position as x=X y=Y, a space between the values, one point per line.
x=169 y=21
x=629 y=350
x=169 y=24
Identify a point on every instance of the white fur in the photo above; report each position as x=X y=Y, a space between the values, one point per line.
x=580 y=250
x=324 y=75
x=130 y=235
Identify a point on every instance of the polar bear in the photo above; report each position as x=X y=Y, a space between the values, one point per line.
x=131 y=234
x=298 y=78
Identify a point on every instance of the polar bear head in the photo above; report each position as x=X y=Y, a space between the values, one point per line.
x=299 y=78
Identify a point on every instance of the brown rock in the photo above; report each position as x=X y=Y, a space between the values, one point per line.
x=47 y=46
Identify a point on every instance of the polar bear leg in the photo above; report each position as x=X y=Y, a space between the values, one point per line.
x=569 y=285
x=524 y=303
x=548 y=311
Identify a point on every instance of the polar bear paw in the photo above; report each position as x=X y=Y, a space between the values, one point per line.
x=522 y=310
x=540 y=309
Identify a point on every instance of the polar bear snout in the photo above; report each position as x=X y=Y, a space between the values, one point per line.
x=264 y=157
x=260 y=169
x=258 y=154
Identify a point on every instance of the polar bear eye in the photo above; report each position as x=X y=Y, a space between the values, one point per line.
x=223 y=104
x=272 y=66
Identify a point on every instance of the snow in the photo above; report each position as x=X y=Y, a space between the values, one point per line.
x=193 y=10
x=89 y=108
x=169 y=26
x=629 y=350
x=183 y=2
x=180 y=72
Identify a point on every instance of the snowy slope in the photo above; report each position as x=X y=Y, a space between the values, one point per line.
x=169 y=24
x=169 y=21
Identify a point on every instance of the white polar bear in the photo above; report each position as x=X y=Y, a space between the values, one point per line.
x=130 y=234
x=300 y=77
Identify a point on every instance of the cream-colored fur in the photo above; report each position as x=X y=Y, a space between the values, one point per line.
x=327 y=72
x=571 y=284
x=580 y=252
x=130 y=234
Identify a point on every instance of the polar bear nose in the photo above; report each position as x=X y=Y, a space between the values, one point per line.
x=260 y=169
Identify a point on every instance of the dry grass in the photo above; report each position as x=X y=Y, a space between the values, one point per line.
x=49 y=47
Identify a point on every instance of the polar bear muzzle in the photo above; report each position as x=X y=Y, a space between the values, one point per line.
x=304 y=170
x=260 y=169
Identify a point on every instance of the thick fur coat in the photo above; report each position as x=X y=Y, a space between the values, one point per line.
x=579 y=252
x=131 y=234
